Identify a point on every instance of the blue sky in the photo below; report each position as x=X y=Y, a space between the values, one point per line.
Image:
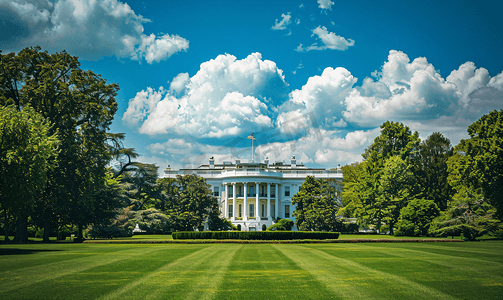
x=311 y=78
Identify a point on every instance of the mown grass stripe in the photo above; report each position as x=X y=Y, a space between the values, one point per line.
x=13 y=280
x=202 y=270
x=322 y=264
x=470 y=264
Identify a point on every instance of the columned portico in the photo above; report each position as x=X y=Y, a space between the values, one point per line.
x=245 y=202
x=276 y=201
x=226 y=202
x=233 y=201
x=257 y=202
x=268 y=202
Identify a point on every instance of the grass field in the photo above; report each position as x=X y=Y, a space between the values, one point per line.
x=467 y=270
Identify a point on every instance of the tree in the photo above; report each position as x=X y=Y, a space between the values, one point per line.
x=478 y=161
x=380 y=186
x=192 y=203
x=431 y=169
x=282 y=225
x=469 y=215
x=395 y=139
x=317 y=206
x=26 y=149
x=395 y=190
x=80 y=106
x=416 y=217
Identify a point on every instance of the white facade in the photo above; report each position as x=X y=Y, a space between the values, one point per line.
x=253 y=194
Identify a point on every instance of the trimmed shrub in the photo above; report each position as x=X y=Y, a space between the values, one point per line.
x=264 y=228
x=255 y=235
x=282 y=224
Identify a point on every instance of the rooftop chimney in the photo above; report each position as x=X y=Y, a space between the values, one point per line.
x=212 y=163
x=293 y=162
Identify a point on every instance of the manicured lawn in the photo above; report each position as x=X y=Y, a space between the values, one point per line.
x=470 y=270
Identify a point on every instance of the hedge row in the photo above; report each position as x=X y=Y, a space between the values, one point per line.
x=255 y=235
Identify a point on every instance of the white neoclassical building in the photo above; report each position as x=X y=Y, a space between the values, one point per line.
x=253 y=194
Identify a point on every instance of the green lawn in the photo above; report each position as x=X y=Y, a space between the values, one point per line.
x=470 y=270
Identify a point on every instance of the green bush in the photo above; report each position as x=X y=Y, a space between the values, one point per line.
x=264 y=228
x=282 y=225
x=255 y=235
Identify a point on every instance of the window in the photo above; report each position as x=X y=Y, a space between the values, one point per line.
x=216 y=191
x=240 y=211
x=250 y=191
x=252 y=210
x=273 y=191
x=240 y=191
x=230 y=211
x=263 y=210
x=273 y=210
x=287 y=211
x=287 y=191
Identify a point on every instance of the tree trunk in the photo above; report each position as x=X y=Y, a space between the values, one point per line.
x=6 y=226
x=47 y=230
x=80 y=236
x=21 y=229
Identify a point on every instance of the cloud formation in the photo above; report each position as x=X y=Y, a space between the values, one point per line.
x=281 y=25
x=325 y=4
x=225 y=98
x=89 y=29
x=328 y=39
x=330 y=119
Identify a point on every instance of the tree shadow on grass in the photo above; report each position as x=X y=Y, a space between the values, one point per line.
x=14 y=251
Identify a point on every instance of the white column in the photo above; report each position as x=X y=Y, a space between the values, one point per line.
x=276 y=210
x=245 y=202
x=226 y=202
x=257 y=202
x=233 y=201
x=269 y=202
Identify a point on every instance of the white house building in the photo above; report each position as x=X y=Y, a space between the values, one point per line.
x=253 y=194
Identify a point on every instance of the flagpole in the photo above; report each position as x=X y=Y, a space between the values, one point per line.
x=251 y=137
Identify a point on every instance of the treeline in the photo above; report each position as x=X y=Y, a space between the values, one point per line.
x=406 y=186
x=61 y=169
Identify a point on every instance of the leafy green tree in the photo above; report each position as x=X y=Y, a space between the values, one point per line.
x=191 y=203
x=351 y=201
x=431 y=169
x=80 y=106
x=317 y=206
x=478 y=161
x=282 y=225
x=469 y=215
x=141 y=186
x=416 y=218
x=395 y=190
x=378 y=188
x=26 y=149
x=152 y=221
x=395 y=139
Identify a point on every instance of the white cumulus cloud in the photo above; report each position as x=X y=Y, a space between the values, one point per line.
x=87 y=28
x=325 y=4
x=226 y=97
x=281 y=24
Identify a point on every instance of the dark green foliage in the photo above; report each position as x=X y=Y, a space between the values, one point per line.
x=478 y=162
x=264 y=228
x=430 y=169
x=190 y=204
x=350 y=227
x=26 y=151
x=382 y=185
x=416 y=217
x=152 y=221
x=469 y=215
x=255 y=235
x=317 y=206
x=238 y=228
x=80 y=106
x=281 y=225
